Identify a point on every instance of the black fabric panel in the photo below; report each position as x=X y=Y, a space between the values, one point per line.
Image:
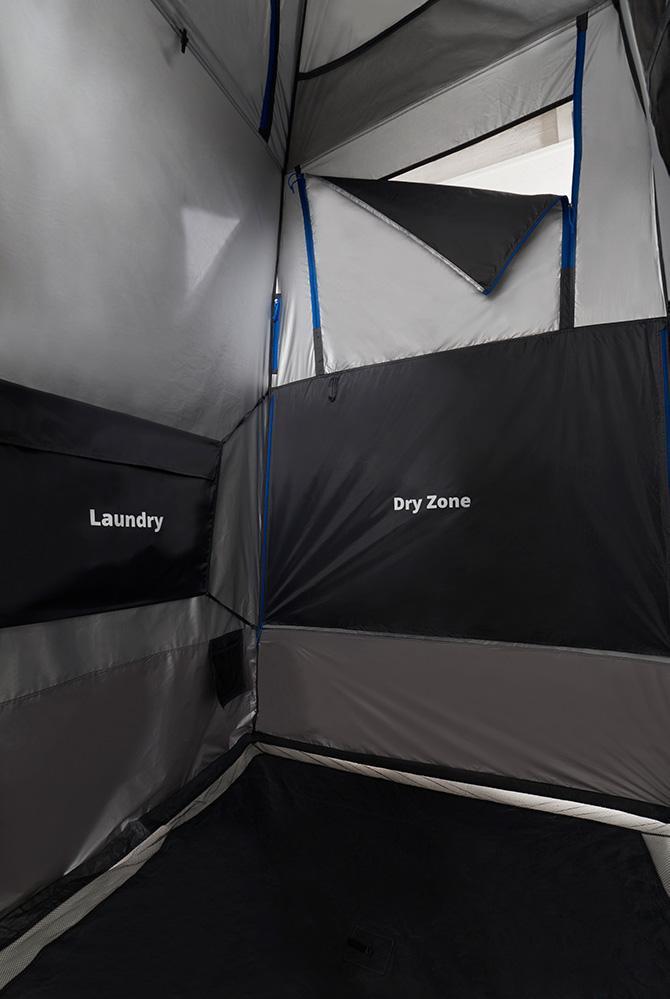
x=61 y=555
x=659 y=92
x=567 y=297
x=226 y=656
x=478 y=231
x=556 y=441
x=279 y=888
x=34 y=419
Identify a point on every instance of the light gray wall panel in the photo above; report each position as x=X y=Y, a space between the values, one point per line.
x=233 y=36
x=138 y=216
x=588 y=720
x=383 y=296
x=617 y=268
x=296 y=350
x=234 y=577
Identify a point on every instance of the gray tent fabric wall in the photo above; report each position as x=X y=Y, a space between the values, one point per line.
x=139 y=213
x=618 y=274
x=443 y=44
x=234 y=38
x=333 y=31
x=145 y=224
x=323 y=687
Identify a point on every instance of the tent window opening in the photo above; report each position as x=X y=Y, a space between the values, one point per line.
x=532 y=157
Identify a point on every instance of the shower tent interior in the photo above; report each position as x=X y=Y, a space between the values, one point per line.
x=335 y=617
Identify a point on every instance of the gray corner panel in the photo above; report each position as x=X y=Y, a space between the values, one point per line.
x=577 y=719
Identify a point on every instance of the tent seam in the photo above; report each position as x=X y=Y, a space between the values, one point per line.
x=103 y=669
x=200 y=56
x=359 y=50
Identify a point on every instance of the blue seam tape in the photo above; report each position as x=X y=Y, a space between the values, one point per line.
x=489 y=288
x=311 y=257
x=267 y=110
x=577 y=98
x=276 y=326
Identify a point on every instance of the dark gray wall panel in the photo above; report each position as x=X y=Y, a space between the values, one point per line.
x=556 y=716
x=88 y=754
x=37 y=656
x=536 y=77
x=449 y=41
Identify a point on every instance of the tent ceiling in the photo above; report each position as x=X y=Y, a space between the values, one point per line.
x=333 y=30
x=446 y=42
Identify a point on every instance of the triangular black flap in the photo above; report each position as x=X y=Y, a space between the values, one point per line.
x=477 y=232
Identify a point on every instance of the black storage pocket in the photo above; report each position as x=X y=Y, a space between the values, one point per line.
x=99 y=510
x=226 y=656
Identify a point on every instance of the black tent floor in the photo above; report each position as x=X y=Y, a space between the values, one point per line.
x=308 y=883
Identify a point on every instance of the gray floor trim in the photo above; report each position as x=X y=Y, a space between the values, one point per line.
x=572 y=809
x=15 y=958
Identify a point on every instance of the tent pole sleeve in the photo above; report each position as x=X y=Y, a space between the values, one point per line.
x=313 y=281
x=276 y=330
x=577 y=97
x=569 y=252
x=267 y=109
x=666 y=396
x=567 y=289
x=266 y=516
